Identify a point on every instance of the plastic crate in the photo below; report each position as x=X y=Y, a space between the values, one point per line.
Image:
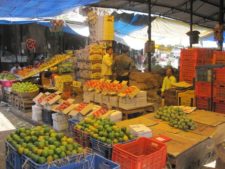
x=143 y=153
x=200 y=56
x=218 y=57
x=203 y=89
x=219 y=91
x=219 y=75
x=13 y=158
x=101 y=148
x=203 y=103
x=71 y=124
x=47 y=116
x=186 y=98
x=91 y=162
x=219 y=106
x=82 y=137
x=28 y=163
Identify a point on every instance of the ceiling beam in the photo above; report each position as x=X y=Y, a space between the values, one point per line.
x=210 y=3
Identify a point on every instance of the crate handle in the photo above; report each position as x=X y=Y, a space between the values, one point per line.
x=24 y=166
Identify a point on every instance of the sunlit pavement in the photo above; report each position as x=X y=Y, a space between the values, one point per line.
x=8 y=123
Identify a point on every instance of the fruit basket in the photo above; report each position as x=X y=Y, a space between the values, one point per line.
x=13 y=159
x=28 y=94
x=141 y=153
x=59 y=164
x=82 y=137
x=101 y=148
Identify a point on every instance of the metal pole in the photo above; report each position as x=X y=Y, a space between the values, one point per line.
x=149 y=33
x=191 y=22
x=221 y=21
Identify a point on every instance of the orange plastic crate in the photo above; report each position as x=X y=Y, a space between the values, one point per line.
x=218 y=57
x=203 y=103
x=143 y=153
x=219 y=106
x=219 y=75
x=219 y=91
x=203 y=89
x=200 y=56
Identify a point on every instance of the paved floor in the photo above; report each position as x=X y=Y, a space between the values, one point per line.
x=15 y=121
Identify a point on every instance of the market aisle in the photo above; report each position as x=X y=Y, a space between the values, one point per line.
x=8 y=123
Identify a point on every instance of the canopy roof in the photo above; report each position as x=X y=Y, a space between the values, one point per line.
x=39 y=8
x=205 y=12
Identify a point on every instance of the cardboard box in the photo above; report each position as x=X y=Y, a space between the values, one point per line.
x=105 y=99
x=98 y=98
x=88 y=96
x=114 y=101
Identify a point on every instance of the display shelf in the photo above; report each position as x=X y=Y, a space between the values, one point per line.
x=37 y=71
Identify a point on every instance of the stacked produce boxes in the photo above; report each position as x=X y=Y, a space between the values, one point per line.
x=219 y=90
x=89 y=62
x=190 y=58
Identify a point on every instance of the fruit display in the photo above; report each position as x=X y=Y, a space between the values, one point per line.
x=24 y=87
x=131 y=91
x=31 y=71
x=104 y=130
x=98 y=113
x=176 y=117
x=66 y=67
x=7 y=76
x=43 y=145
x=63 y=105
x=105 y=86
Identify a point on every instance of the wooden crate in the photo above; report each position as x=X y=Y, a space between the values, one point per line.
x=186 y=98
x=25 y=104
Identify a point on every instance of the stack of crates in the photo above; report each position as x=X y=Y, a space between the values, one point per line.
x=203 y=87
x=190 y=58
x=219 y=90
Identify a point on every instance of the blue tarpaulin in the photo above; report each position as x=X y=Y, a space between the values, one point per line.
x=39 y=8
x=123 y=28
x=211 y=37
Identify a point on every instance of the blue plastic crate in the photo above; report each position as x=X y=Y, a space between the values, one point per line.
x=99 y=162
x=13 y=158
x=72 y=123
x=91 y=162
x=26 y=162
x=101 y=148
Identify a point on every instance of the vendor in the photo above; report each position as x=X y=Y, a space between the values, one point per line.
x=168 y=80
x=107 y=62
x=15 y=68
x=123 y=64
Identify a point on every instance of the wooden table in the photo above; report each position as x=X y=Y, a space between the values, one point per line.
x=192 y=149
x=149 y=107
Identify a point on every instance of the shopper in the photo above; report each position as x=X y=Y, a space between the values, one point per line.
x=168 y=80
x=123 y=64
x=107 y=63
x=15 y=68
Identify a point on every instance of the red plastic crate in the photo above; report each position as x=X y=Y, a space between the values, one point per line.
x=203 y=103
x=203 y=89
x=219 y=75
x=143 y=153
x=200 y=56
x=219 y=91
x=218 y=57
x=219 y=106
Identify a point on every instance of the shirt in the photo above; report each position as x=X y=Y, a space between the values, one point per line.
x=167 y=82
x=107 y=62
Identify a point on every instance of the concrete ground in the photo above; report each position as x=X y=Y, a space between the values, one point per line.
x=7 y=121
